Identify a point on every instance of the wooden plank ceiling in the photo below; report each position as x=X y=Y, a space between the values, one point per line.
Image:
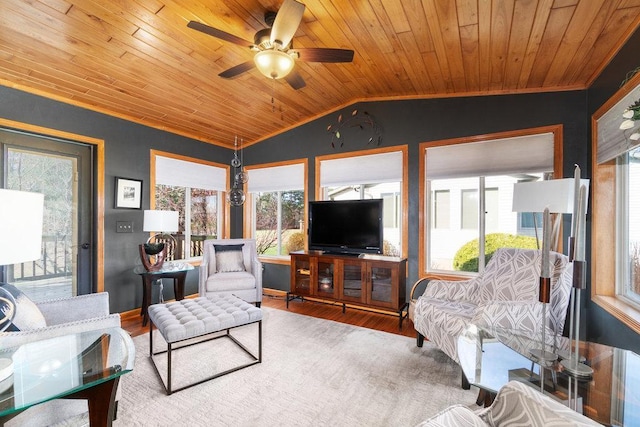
x=138 y=60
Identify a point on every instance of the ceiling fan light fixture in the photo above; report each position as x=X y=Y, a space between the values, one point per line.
x=274 y=64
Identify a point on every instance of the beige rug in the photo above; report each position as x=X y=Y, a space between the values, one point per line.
x=314 y=373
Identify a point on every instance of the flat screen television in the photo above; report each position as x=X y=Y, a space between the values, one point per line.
x=350 y=227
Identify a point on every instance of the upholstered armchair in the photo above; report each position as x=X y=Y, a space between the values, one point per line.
x=231 y=266
x=504 y=296
x=66 y=316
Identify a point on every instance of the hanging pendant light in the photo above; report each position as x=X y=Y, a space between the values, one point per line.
x=236 y=196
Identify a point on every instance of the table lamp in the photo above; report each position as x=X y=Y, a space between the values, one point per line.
x=163 y=223
x=21 y=231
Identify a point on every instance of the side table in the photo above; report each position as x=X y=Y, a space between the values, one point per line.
x=86 y=365
x=170 y=270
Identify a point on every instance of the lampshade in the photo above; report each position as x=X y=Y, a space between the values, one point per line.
x=164 y=221
x=20 y=226
x=273 y=63
x=555 y=194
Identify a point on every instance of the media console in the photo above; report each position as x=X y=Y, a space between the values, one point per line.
x=369 y=281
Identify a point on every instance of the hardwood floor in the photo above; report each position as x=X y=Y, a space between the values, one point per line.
x=132 y=322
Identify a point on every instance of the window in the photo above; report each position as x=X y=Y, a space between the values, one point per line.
x=467 y=195
x=441 y=208
x=469 y=209
x=615 y=208
x=629 y=232
x=628 y=204
x=374 y=174
x=277 y=207
x=196 y=190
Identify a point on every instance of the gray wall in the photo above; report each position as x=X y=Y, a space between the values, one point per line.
x=127 y=155
x=602 y=327
x=415 y=121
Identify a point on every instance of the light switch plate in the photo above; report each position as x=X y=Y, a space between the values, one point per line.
x=124 y=226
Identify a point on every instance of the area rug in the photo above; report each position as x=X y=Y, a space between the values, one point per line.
x=314 y=372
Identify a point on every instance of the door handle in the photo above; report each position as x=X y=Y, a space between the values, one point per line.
x=85 y=246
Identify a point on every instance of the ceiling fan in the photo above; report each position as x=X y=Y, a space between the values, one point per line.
x=275 y=55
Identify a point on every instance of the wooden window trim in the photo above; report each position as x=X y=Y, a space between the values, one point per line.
x=226 y=227
x=248 y=211
x=422 y=217
x=603 y=229
x=405 y=183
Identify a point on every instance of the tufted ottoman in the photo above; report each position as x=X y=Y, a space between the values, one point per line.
x=202 y=317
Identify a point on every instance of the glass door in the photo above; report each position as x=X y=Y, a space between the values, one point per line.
x=380 y=282
x=302 y=275
x=61 y=170
x=352 y=281
x=325 y=279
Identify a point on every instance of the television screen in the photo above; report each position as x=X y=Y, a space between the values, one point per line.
x=346 y=226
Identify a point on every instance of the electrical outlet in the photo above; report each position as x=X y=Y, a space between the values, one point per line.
x=124 y=226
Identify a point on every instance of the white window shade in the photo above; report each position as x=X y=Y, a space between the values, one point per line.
x=524 y=154
x=368 y=169
x=276 y=178
x=182 y=173
x=613 y=141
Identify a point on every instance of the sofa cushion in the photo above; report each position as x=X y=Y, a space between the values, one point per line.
x=519 y=404
x=229 y=258
x=230 y=281
x=454 y=416
x=27 y=313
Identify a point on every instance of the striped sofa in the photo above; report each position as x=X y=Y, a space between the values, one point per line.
x=504 y=295
x=516 y=404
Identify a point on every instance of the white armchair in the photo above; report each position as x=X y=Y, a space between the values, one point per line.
x=231 y=266
x=67 y=316
x=505 y=295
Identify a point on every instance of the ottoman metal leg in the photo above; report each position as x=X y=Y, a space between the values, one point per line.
x=170 y=347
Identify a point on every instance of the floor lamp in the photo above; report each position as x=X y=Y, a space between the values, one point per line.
x=572 y=365
x=550 y=196
x=21 y=216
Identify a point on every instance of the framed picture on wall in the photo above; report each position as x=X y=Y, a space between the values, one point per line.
x=128 y=193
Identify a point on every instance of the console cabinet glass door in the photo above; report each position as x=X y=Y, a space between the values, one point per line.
x=380 y=277
x=324 y=281
x=302 y=275
x=352 y=282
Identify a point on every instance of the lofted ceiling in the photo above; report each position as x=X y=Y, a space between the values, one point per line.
x=138 y=60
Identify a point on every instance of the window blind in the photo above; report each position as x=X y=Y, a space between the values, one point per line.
x=182 y=173
x=523 y=154
x=367 y=169
x=613 y=141
x=276 y=178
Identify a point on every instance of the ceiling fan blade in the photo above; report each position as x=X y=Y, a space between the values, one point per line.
x=295 y=80
x=237 y=70
x=319 y=54
x=222 y=35
x=287 y=21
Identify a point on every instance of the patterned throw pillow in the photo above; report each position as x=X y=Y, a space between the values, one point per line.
x=28 y=315
x=229 y=258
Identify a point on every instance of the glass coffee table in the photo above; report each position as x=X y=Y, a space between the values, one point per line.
x=86 y=365
x=611 y=395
